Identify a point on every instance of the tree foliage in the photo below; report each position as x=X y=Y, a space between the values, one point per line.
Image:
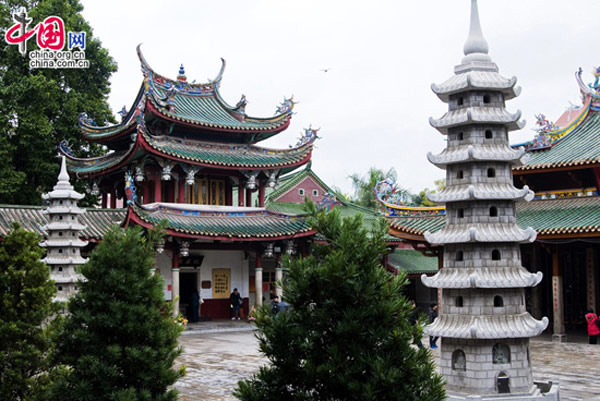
x=119 y=341
x=40 y=107
x=348 y=335
x=25 y=303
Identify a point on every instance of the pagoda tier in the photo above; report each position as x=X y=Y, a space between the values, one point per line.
x=185 y=109
x=62 y=235
x=513 y=325
x=477 y=80
x=488 y=191
x=482 y=277
x=476 y=114
x=469 y=153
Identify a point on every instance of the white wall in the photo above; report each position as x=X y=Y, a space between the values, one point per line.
x=233 y=260
x=164 y=263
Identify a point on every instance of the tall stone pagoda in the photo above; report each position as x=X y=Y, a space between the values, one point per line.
x=183 y=154
x=62 y=242
x=484 y=325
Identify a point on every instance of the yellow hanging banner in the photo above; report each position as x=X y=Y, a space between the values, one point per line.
x=221 y=283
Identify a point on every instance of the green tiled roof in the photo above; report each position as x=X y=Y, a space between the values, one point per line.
x=97 y=164
x=31 y=218
x=580 y=147
x=211 y=111
x=412 y=262
x=548 y=217
x=243 y=156
x=224 y=222
x=288 y=181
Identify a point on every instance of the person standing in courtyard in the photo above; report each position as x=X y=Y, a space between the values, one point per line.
x=593 y=326
x=432 y=316
x=235 y=299
x=275 y=305
x=414 y=319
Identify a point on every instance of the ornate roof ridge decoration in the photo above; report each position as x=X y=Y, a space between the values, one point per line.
x=483 y=277
x=487 y=326
x=481 y=191
x=549 y=134
x=226 y=223
x=482 y=233
x=166 y=104
x=389 y=196
x=465 y=153
x=477 y=80
x=478 y=115
x=95 y=165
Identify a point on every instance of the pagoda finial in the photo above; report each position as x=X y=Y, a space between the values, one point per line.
x=63 y=176
x=181 y=77
x=476 y=47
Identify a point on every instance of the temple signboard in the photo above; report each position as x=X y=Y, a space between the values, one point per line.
x=221 y=280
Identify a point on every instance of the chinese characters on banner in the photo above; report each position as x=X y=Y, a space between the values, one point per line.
x=221 y=283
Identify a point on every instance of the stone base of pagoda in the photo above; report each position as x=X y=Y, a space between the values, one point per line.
x=540 y=391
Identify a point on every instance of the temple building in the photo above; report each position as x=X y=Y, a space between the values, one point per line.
x=179 y=155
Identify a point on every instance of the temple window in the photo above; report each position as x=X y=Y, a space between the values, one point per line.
x=495 y=254
x=59 y=250
x=59 y=268
x=493 y=211
x=315 y=192
x=459 y=302
x=60 y=233
x=491 y=173
x=460 y=136
x=460 y=213
x=498 y=301
x=460 y=101
x=60 y=288
x=460 y=175
x=500 y=353
x=301 y=192
x=486 y=99
x=459 y=256
x=489 y=134
x=459 y=361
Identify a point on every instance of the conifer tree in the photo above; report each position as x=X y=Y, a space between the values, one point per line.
x=347 y=335
x=25 y=302
x=119 y=340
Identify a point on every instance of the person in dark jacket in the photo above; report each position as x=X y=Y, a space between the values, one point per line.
x=593 y=329
x=275 y=305
x=413 y=321
x=235 y=299
x=432 y=314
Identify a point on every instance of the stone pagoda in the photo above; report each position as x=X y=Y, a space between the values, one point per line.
x=62 y=241
x=484 y=325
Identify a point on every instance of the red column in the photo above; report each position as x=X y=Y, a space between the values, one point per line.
x=241 y=194
x=248 y=198
x=104 y=200
x=146 y=192
x=157 y=189
x=113 y=199
x=181 y=184
x=228 y=193
x=261 y=195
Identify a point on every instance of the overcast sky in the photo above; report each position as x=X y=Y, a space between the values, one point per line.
x=374 y=104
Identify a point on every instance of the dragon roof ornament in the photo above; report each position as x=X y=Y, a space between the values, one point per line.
x=309 y=136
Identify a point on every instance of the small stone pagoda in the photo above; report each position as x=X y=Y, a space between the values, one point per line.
x=484 y=325
x=62 y=241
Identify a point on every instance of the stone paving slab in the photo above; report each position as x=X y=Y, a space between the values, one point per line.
x=217 y=361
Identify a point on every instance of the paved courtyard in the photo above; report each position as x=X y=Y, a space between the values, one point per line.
x=216 y=361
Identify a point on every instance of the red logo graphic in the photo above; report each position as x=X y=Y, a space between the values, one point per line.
x=50 y=32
